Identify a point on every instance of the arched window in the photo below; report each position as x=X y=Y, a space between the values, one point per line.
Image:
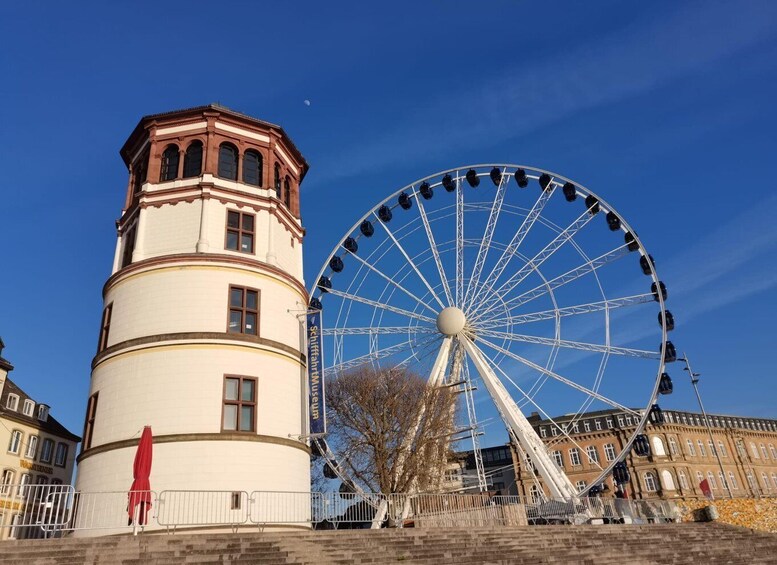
x=667 y=480
x=658 y=446
x=277 y=181
x=650 y=482
x=252 y=168
x=711 y=480
x=534 y=492
x=192 y=160
x=287 y=192
x=139 y=172
x=169 y=169
x=754 y=449
x=227 y=161
x=672 y=445
x=683 y=479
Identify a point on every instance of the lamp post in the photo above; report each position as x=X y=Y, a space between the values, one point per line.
x=695 y=383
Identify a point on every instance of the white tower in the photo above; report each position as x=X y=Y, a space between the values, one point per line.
x=201 y=336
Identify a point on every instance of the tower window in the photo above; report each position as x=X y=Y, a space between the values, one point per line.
x=228 y=161
x=239 y=404
x=192 y=160
x=243 y=310
x=240 y=232
x=277 y=180
x=129 y=245
x=140 y=170
x=287 y=192
x=105 y=327
x=169 y=169
x=91 y=412
x=252 y=168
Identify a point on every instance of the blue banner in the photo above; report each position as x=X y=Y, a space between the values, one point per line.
x=316 y=399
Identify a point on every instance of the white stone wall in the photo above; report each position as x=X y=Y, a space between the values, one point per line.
x=194 y=297
x=177 y=388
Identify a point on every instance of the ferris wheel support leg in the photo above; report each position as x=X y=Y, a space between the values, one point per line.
x=440 y=364
x=557 y=482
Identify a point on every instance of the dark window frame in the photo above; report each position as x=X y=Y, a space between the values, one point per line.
x=128 y=247
x=105 y=327
x=65 y=449
x=228 y=170
x=239 y=403
x=250 y=168
x=91 y=413
x=171 y=160
x=240 y=231
x=192 y=157
x=47 y=442
x=243 y=309
x=287 y=192
x=277 y=180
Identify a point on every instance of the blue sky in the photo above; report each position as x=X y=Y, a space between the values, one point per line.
x=664 y=108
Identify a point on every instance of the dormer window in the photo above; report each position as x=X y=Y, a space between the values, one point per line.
x=29 y=407
x=43 y=412
x=12 y=403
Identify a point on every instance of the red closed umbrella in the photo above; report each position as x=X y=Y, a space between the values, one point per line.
x=140 y=491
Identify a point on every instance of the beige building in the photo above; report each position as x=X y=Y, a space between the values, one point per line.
x=202 y=336
x=682 y=454
x=35 y=449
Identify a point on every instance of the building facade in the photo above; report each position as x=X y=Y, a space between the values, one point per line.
x=498 y=468
x=682 y=455
x=35 y=450
x=201 y=335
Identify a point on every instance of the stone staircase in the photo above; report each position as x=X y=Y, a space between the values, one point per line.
x=632 y=545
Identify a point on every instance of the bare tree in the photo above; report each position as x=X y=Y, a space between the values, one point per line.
x=390 y=429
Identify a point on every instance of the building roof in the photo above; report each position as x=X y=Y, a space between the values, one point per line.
x=51 y=425
x=217 y=108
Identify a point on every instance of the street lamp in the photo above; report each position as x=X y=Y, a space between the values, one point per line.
x=695 y=383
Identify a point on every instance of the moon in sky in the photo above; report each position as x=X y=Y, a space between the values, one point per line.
x=307 y=102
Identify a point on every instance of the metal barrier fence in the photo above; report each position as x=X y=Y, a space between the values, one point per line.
x=38 y=511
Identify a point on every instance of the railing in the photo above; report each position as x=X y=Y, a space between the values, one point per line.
x=37 y=511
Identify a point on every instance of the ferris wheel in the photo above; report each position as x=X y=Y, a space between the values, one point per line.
x=519 y=288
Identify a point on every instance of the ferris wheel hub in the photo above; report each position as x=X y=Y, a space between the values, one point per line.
x=451 y=321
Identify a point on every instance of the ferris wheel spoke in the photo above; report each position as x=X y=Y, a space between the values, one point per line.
x=377 y=355
x=459 y=243
x=611 y=349
x=433 y=247
x=376 y=304
x=559 y=378
x=408 y=259
x=379 y=330
x=488 y=234
x=539 y=408
x=534 y=263
x=577 y=309
x=515 y=243
x=559 y=281
x=393 y=282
